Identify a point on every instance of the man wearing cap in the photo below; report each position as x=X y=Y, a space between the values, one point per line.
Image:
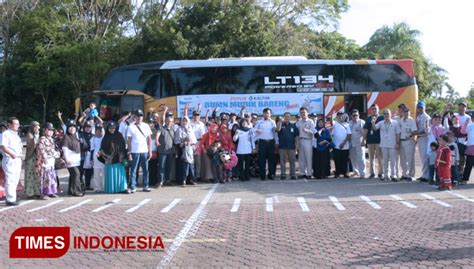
x=389 y=141
x=408 y=130
x=232 y=120
x=464 y=120
x=423 y=126
x=356 y=151
x=139 y=149
x=199 y=129
x=11 y=147
x=372 y=138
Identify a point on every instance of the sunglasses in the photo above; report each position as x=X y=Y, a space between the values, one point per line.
x=355 y=115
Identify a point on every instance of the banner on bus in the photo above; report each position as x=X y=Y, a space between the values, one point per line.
x=254 y=103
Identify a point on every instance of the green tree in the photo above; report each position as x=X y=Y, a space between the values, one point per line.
x=401 y=42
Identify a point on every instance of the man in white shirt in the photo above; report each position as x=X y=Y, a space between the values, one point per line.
x=470 y=155
x=11 y=147
x=356 y=151
x=306 y=129
x=389 y=142
x=341 y=132
x=464 y=120
x=124 y=122
x=265 y=129
x=423 y=126
x=199 y=129
x=139 y=149
x=407 y=144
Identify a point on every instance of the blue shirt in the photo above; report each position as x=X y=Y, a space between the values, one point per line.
x=325 y=135
x=287 y=135
x=373 y=137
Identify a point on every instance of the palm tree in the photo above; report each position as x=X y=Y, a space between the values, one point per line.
x=451 y=93
x=396 y=42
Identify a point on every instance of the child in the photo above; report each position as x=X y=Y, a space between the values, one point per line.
x=214 y=152
x=91 y=111
x=188 y=160
x=432 y=160
x=443 y=163
x=98 y=178
x=454 y=158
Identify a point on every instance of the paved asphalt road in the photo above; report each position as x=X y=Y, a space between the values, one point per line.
x=286 y=224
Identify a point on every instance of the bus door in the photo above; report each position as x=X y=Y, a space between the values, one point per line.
x=131 y=102
x=356 y=101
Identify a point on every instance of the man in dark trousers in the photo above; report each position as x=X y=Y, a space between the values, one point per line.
x=265 y=130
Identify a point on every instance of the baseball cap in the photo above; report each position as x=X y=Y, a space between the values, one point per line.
x=49 y=126
x=111 y=124
x=420 y=104
x=138 y=112
x=70 y=123
x=195 y=113
x=463 y=104
x=34 y=123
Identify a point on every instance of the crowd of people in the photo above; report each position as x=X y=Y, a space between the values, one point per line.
x=106 y=156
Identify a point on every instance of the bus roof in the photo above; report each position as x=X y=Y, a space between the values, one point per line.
x=262 y=61
x=406 y=64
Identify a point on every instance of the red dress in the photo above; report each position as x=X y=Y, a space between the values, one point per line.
x=443 y=167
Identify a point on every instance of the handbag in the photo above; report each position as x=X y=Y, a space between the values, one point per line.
x=59 y=163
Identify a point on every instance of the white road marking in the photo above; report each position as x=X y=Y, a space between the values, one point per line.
x=269 y=204
x=461 y=196
x=142 y=203
x=336 y=203
x=236 y=205
x=429 y=197
x=276 y=199
x=165 y=261
x=74 y=206
x=398 y=198
x=370 y=202
x=170 y=206
x=21 y=203
x=109 y=204
x=45 y=206
x=303 y=204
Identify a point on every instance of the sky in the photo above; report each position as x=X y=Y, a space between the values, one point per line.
x=447 y=29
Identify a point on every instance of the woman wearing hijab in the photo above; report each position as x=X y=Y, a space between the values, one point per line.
x=206 y=141
x=32 y=184
x=46 y=155
x=321 y=146
x=185 y=137
x=114 y=153
x=226 y=138
x=72 y=155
